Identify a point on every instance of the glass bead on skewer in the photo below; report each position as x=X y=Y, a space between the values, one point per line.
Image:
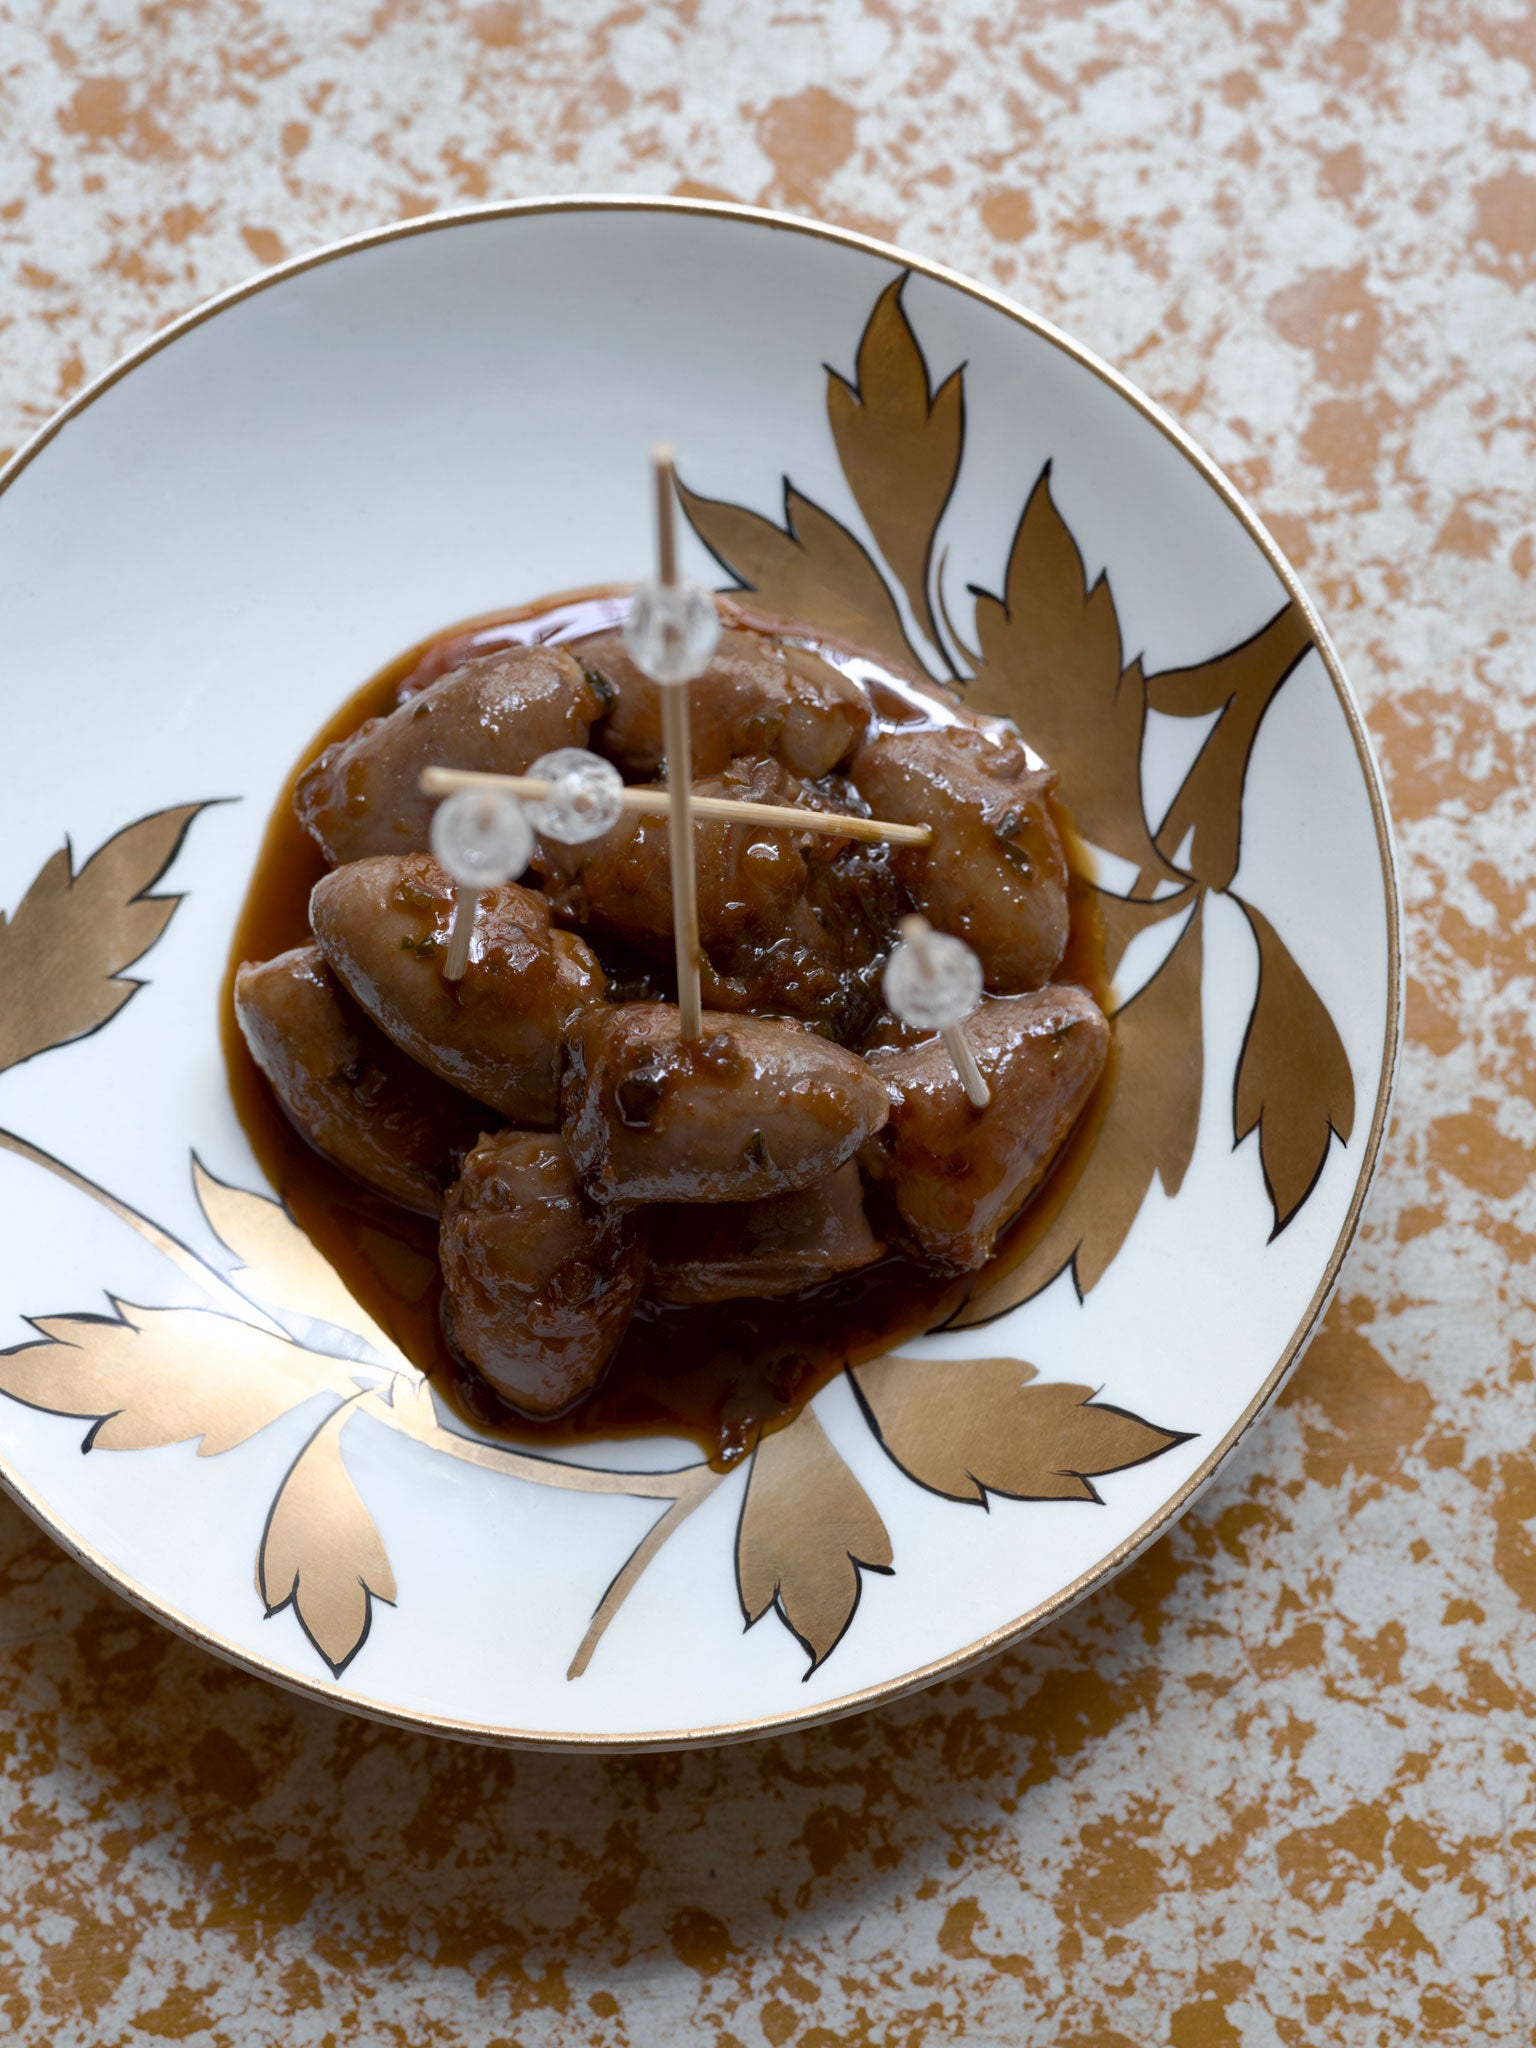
x=672 y=630
x=934 y=981
x=482 y=837
x=585 y=798
x=931 y=980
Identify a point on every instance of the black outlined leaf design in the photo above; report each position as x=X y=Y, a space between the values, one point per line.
x=1149 y=1121
x=1051 y=661
x=280 y=1266
x=1126 y=918
x=899 y=444
x=64 y=947
x=1241 y=684
x=807 y=1531
x=151 y=1376
x=145 y=1378
x=967 y=1427
x=321 y=1553
x=811 y=568
x=1293 y=1078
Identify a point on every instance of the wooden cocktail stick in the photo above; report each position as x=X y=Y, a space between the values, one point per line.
x=972 y=1080
x=677 y=738
x=460 y=932
x=664 y=463
x=657 y=803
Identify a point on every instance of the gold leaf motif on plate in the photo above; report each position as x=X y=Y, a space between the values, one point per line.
x=321 y=1552
x=1125 y=918
x=899 y=444
x=65 y=945
x=811 y=568
x=1241 y=684
x=281 y=1266
x=1051 y=661
x=807 y=1532
x=1293 y=1077
x=967 y=1427
x=1147 y=1127
x=153 y=1376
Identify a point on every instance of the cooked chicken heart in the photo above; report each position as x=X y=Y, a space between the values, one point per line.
x=728 y=1251
x=496 y=714
x=346 y=1089
x=790 y=923
x=498 y=1033
x=958 y=1175
x=994 y=873
x=758 y=696
x=540 y=1282
x=754 y=1109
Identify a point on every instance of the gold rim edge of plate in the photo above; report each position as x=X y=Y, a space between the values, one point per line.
x=1010 y=1633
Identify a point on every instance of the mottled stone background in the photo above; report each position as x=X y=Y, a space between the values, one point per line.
x=1274 y=1786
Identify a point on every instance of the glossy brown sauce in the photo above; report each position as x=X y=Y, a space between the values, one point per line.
x=718 y=1374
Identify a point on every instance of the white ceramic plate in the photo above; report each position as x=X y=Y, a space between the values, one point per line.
x=215 y=544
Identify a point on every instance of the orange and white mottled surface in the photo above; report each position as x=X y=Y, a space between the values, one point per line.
x=1274 y=1787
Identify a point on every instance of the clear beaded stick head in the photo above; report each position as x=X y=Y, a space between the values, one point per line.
x=481 y=837
x=586 y=796
x=671 y=632
x=934 y=981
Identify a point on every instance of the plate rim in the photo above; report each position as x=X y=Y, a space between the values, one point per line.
x=346 y=1699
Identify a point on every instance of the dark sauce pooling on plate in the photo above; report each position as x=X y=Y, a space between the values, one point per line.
x=718 y=1374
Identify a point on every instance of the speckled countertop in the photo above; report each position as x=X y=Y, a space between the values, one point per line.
x=1275 y=1785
